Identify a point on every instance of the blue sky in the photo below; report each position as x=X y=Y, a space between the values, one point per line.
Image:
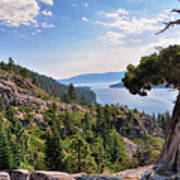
x=62 y=38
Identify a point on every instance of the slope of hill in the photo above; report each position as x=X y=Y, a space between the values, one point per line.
x=41 y=132
x=54 y=88
x=94 y=78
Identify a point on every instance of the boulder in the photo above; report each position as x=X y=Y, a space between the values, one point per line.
x=153 y=176
x=98 y=177
x=50 y=175
x=131 y=147
x=133 y=174
x=4 y=176
x=19 y=174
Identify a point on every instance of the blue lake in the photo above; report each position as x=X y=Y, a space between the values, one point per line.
x=158 y=100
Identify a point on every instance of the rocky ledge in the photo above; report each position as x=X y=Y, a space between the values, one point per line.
x=133 y=174
x=153 y=176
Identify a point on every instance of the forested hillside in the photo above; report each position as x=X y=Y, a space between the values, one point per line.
x=42 y=132
x=50 y=85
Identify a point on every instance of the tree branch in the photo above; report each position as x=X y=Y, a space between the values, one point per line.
x=176 y=10
x=171 y=23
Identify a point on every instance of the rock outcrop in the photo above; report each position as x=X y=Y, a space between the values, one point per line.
x=47 y=175
x=35 y=175
x=19 y=175
x=153 y=176
x=98 y=177
x=17 y=91
x=135 y=125
x=4 y=176
x=131 y=148
x=133 y=174
x=146 y=173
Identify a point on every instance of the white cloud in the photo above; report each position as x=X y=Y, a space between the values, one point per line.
x=19 y=12
x=130 y=25
x=112 y=38
x=107 y=59
x=49 y=2
x=46 y=25
x=122 y=11
x=47 y=13
x=36 y=32
x=121 y=25
x=85 y=19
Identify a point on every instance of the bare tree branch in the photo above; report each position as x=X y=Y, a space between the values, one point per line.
x=171 y=23
x=176 y=10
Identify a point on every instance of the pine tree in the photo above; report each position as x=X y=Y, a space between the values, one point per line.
x=99 y=153
x=81 y=155
x=99 y=120
x=35 y=81
x=10 y=64
x=72 y=92
x=66 y=98
x=53 y=153
x=2 y=104
x=24 y=73
x=6 y=156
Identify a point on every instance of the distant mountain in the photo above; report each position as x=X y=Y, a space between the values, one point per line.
x=94 y=78
x=121 y=85
x=118 y=85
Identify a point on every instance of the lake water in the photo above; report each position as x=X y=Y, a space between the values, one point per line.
x=158 y=100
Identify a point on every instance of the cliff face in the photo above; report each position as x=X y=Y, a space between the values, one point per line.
x=17 y=91
x=135 y=125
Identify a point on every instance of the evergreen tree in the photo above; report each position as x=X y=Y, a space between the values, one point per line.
x=66 y=98
x=99 y=120
x=35 y=81
x=2 y=104
x=115 y=147
x=53 y=153
x=68 y=122
x=6 y=156
x=99 y=153
x=10 y=64
x=83 y=101
x=24 y=73
x=81 y=156
x=72 y=92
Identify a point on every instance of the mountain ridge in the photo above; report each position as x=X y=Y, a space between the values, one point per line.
x=94 y=78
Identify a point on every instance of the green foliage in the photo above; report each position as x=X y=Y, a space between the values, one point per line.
x=81 y=155
x=53 y=153
x=26 y=167
x=35 y=81
x=10 y=64
x=156 y=69
x=72 y=92
x=70 y=141
x=49 y=85
x=149 y=150
x=2 y=104
x=6 y=156
x=24 y=73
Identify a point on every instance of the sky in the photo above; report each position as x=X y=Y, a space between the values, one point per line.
x=63 y=38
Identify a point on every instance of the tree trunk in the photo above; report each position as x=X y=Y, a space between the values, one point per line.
x=169 y=161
